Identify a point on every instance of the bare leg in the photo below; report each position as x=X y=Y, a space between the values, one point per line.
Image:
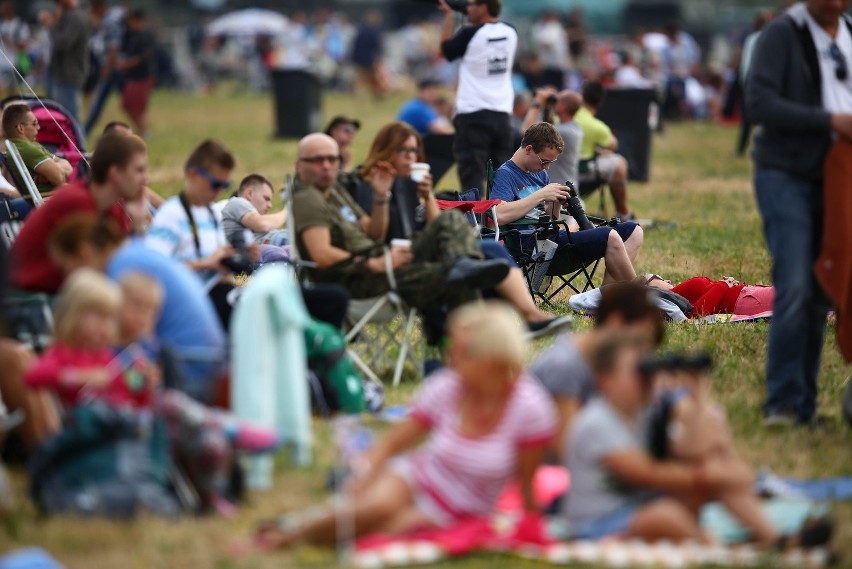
x=618 y=187
x=666 y=518
x=386 y=504
x=41 y=416
x=634 y=243
x=514 y=290
x=746 y=507
x=618 y=265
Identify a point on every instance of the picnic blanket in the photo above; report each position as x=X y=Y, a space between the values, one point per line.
x=511 y=532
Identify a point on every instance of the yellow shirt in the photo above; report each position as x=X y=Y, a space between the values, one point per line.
x=596 y=134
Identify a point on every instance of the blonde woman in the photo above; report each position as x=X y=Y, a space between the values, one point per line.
x=482 y=421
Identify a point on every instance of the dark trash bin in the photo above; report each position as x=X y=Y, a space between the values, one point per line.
x=626 y=112
x=297 y=95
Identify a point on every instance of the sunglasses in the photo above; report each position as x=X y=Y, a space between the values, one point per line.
x=320 y=159
x=841 y=69
x=544 y=163
x=215 y=183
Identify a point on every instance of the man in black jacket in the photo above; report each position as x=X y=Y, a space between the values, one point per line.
x=800 y=94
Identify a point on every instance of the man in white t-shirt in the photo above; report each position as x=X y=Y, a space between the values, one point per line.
x=187 y=229
x=484 y=99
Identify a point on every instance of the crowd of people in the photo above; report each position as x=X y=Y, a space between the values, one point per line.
x=141 y=291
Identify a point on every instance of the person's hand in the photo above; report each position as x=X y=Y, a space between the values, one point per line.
x=542 y=94
x=253 y=252
x=381 y=178
x=214 y=261
x=400 y=256
x=424 y=188
x=153 y=376
x=445 y=8
x=730 y=281
x=841 y=123
x=553 y=193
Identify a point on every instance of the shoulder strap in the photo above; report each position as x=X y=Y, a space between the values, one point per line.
x=185 y=203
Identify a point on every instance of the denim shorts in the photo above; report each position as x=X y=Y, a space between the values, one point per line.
x=614 y=523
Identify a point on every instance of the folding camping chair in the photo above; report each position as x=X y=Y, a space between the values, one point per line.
x=373 y=325
x=543 y=263
x=590 y=181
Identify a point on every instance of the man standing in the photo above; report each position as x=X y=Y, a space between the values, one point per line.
x=799 y=93
x=598 y=157
x=119 y=171
x=485 y=95
x=69 y=56
x=137 y=65
x=21 y=128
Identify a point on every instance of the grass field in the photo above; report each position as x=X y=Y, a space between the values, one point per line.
x=712 y=228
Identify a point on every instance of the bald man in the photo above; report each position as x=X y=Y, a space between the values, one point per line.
x=443 y=266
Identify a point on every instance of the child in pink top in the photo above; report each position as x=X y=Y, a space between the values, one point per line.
x=482 y=422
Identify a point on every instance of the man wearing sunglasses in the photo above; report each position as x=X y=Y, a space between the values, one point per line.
x=47 y=170
x=186 y=227
x=799 y=92
x=524 y=186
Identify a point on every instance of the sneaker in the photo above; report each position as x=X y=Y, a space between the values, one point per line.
x=546 y=327
x=476 y=273
x=780 y=419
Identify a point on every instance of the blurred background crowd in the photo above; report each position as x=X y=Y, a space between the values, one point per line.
x=688 y=50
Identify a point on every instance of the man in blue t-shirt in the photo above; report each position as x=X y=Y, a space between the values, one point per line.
x=421 y=113
x=524 y=185
x=188 y=324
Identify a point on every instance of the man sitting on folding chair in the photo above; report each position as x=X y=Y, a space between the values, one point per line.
x=21 y=127
x=442 y=267
x=524 y=186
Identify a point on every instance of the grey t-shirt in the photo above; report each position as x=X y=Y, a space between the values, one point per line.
x=232 y=214
x=563 y=371
x=599 y=430
x=565 y=168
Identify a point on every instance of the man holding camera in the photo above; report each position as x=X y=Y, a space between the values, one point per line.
x=524 y=186
x=484 y=99
x=187 y=229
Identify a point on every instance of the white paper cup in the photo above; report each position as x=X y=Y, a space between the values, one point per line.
x=419 y=171
x=400 y=244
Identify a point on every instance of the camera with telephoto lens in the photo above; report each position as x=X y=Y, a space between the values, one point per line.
x=575 y=208
x=239 y=264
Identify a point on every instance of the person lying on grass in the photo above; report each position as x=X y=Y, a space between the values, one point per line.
x=724 y=296
x=619 y=488
x=482 y=422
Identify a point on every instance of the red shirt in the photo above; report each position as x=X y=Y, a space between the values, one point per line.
x=709 y=296
x=124 y=388
x=30 y=265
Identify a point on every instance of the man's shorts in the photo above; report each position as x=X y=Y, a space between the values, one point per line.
x=602 y=167
x=135 y=95
x=592 y=243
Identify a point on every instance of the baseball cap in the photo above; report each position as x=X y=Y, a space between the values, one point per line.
x=342 y=119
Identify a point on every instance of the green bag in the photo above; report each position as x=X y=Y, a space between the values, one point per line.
x=335 y=384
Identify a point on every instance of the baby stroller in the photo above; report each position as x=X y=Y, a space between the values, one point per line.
x=58 y=132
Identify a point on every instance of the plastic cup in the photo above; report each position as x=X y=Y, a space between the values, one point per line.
x=419 y=171
x=400 y=244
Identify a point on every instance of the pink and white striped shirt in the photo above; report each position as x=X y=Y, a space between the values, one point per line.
x=465 y=475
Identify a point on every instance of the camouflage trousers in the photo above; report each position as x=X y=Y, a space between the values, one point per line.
x=423 y=282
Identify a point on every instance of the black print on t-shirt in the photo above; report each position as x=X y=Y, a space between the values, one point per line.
x=498 y=56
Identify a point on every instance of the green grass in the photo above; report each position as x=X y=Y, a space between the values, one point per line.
x=713 y=228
